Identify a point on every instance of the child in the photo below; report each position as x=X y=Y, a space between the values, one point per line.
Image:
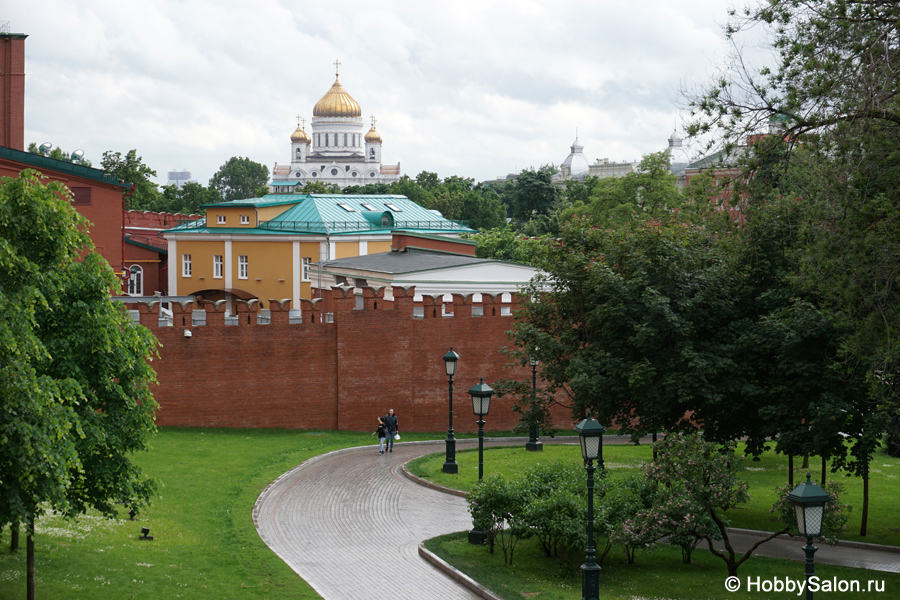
x=381 y=434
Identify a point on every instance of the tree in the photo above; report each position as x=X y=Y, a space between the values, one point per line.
x=832 y=97
x=533 y=194
x=699 y=482
x=75 y=403
x=131 y=169
x=240 y=178
x=186 y=199
x=649 y=193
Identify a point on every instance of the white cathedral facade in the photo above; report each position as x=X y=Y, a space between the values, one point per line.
x=336 y=150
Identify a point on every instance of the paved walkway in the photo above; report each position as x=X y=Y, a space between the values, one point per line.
x=350 y=523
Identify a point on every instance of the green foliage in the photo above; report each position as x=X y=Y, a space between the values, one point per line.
x=837 y=513
x=649 y=193
x=75 y=403
x=185 y=200
x=505 y=243
x=532 y=194
x=496 y=505
x=132 y=170
x=240 y=178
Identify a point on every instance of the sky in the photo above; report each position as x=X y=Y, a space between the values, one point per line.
x=476 y=89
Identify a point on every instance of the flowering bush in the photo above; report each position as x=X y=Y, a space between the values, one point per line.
x=836 y=512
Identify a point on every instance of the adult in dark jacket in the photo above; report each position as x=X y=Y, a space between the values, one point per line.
x=390 y=428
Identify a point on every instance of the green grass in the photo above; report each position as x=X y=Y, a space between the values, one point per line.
x=762 y=476
x=655 y=574
x=205 y=543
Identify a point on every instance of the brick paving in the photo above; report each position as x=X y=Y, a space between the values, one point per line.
x=350 y=523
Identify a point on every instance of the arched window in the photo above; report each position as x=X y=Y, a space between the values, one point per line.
x=136 y=281
x=372 y=153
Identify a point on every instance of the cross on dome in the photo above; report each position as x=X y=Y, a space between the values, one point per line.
x=337 y=64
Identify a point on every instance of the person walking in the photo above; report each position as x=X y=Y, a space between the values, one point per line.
x=380 y=432
x=390 y=429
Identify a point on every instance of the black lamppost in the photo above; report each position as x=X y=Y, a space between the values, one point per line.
x=481 y=403
x=809 y=503
x=534 y=443
x=590 y=434
x=451 y=466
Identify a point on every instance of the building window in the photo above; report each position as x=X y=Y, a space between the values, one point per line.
x=243 y=267
x=346 y=207
x=185 y=265
x=372 y=153
x=217 y=266
x=136 y=281
x=220 y=219
x=81 y=195
x=392 y=207
x=365 y=205
x=306 y=262
x=245 y=219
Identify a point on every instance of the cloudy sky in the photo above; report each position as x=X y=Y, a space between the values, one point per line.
x=472 y=88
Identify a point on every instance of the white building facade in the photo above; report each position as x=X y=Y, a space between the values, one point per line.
x=337 y=150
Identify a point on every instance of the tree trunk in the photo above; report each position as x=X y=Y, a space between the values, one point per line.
x=14 y=538
x=29 y=559
x=654 y=446
x=824 y=470
x=805 y=464
x=865 y=508
x=791 y=470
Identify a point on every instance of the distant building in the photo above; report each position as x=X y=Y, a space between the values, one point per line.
x=263 y=248
x=576 y=168
x=679 y=158
x=336 y=151
x=179 y=178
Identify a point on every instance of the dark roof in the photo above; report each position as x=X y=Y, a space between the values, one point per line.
x=44 y=163
x=410 y=261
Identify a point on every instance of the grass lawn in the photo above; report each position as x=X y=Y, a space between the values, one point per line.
x=762 y=476
x=205 y=543
x=654 y=575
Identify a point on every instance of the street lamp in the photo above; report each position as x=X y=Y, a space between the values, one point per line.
x=809 y=503
x=590 y=435
x=450 y=466
x=481 y=403
x=534 y=443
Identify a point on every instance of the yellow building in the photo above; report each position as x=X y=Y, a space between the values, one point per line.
x=264 y=248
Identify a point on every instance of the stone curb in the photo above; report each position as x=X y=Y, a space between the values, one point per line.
x=845 y=543
x=457 y=576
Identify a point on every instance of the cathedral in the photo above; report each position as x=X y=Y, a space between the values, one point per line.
x=336 y=151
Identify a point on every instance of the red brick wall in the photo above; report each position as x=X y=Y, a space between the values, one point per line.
x=339 y=375
x=12 y=91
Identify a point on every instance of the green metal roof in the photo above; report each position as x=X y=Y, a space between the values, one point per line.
x=336 y=214
x=42 y=163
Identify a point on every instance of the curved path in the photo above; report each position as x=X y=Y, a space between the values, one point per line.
x=350 y=523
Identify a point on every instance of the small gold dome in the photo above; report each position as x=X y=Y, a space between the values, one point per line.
x=300 y=136
x=337 y=103
x=372 y=136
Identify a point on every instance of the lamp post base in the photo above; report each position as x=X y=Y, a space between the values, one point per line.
x=537 y=446
x=451 y=467
x=478 y=537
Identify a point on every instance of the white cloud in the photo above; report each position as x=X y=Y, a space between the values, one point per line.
x=473 y=88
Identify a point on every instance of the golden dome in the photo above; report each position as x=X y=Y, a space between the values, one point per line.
x=300 y=136
x=337 y=103
x=372 y=136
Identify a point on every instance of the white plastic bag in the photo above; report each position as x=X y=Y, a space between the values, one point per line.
x=396 y=436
